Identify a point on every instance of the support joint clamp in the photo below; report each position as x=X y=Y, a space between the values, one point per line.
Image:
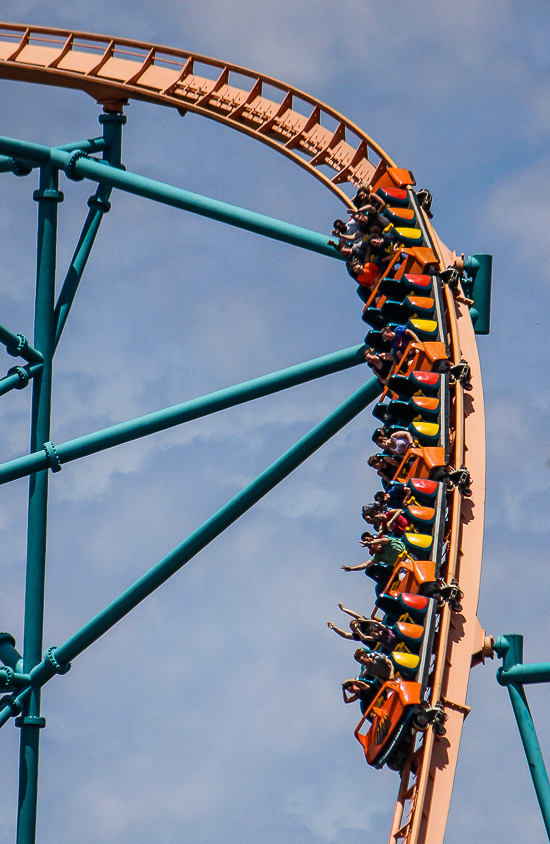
x=6 y=676
x=49 y=656
x=30 y=721
x=96 y=201
x=20 y=169
x=49 y=193
x=54 y=463
x=14 y=705
x=71 y=165
x=15 y=351
x=24 y=377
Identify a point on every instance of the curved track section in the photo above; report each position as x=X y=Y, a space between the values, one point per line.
x=115 y=70
x=336 y=152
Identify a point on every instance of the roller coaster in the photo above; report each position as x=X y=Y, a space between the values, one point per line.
x=427 y=596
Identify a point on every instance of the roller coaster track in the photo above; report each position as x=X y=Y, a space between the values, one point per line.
x=424 y=796
x=115 y=70
x=336 y=152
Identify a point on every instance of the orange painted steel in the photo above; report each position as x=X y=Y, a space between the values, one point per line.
x=114 y=71
x=424 y=797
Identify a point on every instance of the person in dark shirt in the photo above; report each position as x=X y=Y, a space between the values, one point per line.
x=367 y=196
x=396 y=496
x=386 y=466
x=380 y=364
x=360 y=690
x=380 y=249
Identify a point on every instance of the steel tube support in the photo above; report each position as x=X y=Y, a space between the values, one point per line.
x=510 y=649
x=535 y=672
x=19 y=347
x=90 y=145
x=48 y=196
x=201 y=537
x=532 y=749
x=24 y=168
x=176 y=197
x=180 y=413
x=14 y=381
x=98 y=204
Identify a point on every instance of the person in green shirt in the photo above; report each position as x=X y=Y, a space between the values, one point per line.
x=384 y=550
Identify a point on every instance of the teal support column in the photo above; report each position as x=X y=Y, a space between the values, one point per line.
x=99 y=205
x=510 y=648
x=48 y=196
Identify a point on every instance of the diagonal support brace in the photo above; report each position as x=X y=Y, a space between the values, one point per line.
x=199 y=539
x=180 y=413
x=510 y=649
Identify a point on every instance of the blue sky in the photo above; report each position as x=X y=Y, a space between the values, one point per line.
x=213 y=712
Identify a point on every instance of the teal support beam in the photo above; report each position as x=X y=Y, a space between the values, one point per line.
x=532 y=749
x=180 y=413
x=48 y=196
x=535 y=672
x=176 y=197
x=480 y=269
x=16 y=380
x=23 y=168
x=89 y=146
x=17 y=345
x=99 y=205
x=8 y=654
x=11 y=679
x=510 y=649
x=198 y=540
x=11 y=165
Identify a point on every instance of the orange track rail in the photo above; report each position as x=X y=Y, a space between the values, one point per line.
x=314 y=136
x=112 y=70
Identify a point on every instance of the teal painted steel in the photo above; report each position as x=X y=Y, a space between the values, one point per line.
x=48 y=196
x=201 y=537
x=19 y=346
x=532 y=749
x=180 y=413
x=14 y=381
x=510 y=649
x=8 y=654
x=176 y=197
x=90 y=146
x=24 y=168
x=480 y=268
x=7 y=165
x=535 y=672
x=99 y=204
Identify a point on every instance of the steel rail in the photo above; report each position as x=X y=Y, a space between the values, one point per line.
x=409 y=829
x=115 y=70
x=427 y=790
